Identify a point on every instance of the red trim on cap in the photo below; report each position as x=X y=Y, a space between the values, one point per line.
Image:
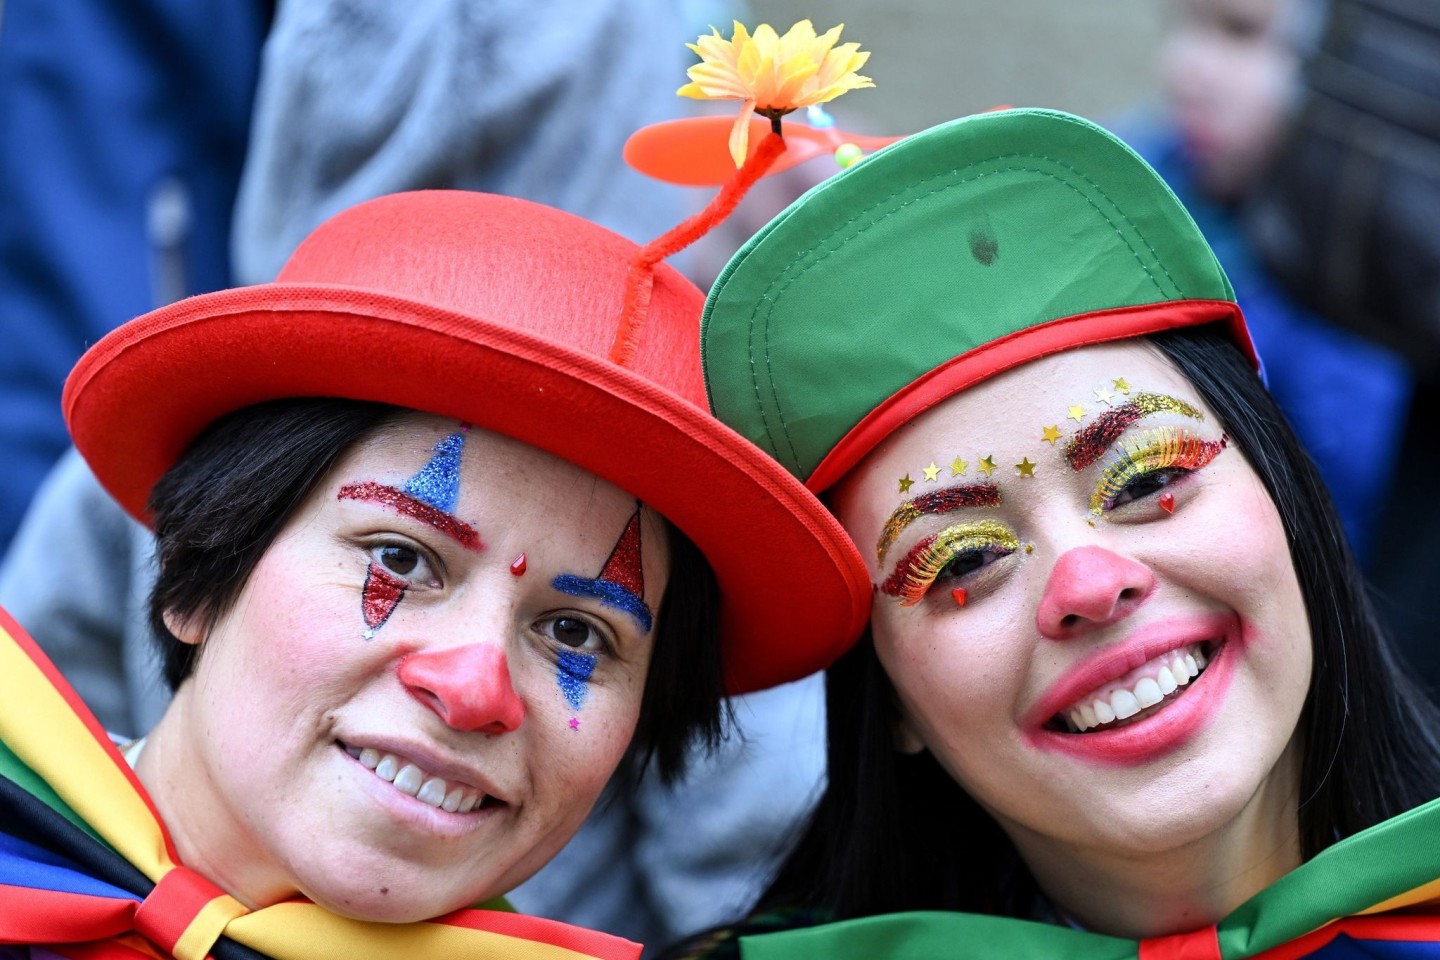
x=1018 y=348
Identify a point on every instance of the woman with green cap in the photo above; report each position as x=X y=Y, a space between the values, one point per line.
x=1121 y=676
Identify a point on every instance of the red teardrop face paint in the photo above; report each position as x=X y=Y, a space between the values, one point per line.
x=379 y=598
x=517 y=568
x=958 y=595
x=1167 y=501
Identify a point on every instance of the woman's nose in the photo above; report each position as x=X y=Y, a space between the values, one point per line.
x=1091 y=587
x=468 y=687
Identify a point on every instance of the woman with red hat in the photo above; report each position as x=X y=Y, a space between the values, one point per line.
x=435 y=554
x=1121 y=675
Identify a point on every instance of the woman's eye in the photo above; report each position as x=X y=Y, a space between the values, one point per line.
x=1146 y=484
x=400 y=560
x=574 y=632
x=967 y=562
x=953 y=553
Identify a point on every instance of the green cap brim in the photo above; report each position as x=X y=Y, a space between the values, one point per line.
x=961 y=251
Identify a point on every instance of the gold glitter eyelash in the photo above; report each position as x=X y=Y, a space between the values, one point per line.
x=919 y=568
x=1162 y=448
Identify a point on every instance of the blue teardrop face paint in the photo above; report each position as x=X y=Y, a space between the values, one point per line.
x=572 y=673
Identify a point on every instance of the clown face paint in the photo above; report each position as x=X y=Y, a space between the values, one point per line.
x=621 y=586
x=572 y=673
x=429 y=497
x=431 y=767
x=937 y=503
x=621 y=582
x=379 y=597
x=1087 y=445
x=1051 y=695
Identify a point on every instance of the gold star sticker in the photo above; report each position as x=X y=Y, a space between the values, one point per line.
x=1121 y=385
x=1052 y=434
x=932 y=472
x=1026 y=468
x=905 y=483
x=957 y=467
x=1104 y=396
x=1076 y=413
x=987 y=465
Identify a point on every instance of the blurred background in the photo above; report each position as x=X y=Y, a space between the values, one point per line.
x=162 y=148
x=937 y=59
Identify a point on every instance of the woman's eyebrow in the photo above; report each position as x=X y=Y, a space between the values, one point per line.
x=1087 y=446
x=609 y=593
x=940 y=501
x=411 y=506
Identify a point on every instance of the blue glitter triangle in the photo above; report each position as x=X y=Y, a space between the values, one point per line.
x=438 y=482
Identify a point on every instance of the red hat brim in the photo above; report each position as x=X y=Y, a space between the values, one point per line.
x=791 y=603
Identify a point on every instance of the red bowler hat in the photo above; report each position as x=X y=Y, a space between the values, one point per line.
x=502 y=313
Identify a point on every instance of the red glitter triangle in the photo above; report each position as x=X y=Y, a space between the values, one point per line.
x=380 y=595
x=623 y=567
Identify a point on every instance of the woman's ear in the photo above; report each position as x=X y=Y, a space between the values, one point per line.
x=906 y=739
x=186 y=629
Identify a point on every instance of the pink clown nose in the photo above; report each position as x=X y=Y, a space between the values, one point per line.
x=468 y=687
x=1091 y=587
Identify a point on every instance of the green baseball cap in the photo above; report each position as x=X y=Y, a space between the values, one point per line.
x=957 y=253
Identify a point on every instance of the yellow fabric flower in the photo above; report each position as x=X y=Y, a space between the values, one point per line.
x=772 y=74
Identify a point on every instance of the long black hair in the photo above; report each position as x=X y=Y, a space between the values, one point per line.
x=223 y=503
x=895 y=832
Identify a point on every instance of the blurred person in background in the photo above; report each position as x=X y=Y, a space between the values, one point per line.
x=121 y=140
x=1349 y=220
x=1230 y=78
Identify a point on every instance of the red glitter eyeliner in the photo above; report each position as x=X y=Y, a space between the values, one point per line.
x=403 y=503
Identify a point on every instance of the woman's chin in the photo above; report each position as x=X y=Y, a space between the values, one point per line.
x=386 y=905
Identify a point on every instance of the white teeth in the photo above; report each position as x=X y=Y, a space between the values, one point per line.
x=1147 y=691
x=412 y=781
x=1124 y=703
x=432 y=791
x=409 y=778
x=1170 y=675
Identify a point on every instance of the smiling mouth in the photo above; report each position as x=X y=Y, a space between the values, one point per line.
x=414 y=782
x=1141 y=693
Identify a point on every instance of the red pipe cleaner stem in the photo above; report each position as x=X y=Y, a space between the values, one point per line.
x=641 y=279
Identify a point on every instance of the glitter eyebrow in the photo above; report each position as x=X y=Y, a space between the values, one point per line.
x=621 y=583
x=1087 y=446
x=930 y=504
x=410 y=506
